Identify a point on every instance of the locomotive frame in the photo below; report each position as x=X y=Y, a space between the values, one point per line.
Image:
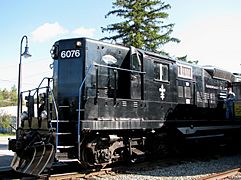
x=106 y=103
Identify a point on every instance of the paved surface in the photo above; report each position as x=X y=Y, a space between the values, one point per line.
x=5 y=155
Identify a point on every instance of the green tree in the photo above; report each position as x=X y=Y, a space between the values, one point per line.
x=142 y=24
x=5 y=120
x=5 y=93
x=8 y=98
x=13 y=95
x=184 y=58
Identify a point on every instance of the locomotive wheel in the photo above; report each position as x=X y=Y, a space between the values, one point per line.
x=87 y=157
x=100 y=151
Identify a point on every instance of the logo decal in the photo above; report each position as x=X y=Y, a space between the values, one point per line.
x=162 y=91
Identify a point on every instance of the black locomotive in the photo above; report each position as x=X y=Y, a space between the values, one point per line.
x=107 y=103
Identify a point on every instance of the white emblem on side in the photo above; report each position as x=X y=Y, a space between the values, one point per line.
x=109 y=59
x=162 y=91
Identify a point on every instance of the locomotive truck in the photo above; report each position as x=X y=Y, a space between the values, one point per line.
x=107 y=103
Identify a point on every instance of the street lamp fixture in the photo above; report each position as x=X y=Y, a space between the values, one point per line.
x=25 y=54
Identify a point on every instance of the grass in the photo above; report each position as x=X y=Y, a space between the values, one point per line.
x=6 y=134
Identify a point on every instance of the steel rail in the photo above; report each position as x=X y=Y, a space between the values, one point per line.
x=77 y=175
x=222 y=175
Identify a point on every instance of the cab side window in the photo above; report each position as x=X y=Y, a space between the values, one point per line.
x=136 y=62
x=161 y=72
x=184 y=71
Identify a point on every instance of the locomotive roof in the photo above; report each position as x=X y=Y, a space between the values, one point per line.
x=157 y=55
x=218 y=73
x=215 y=72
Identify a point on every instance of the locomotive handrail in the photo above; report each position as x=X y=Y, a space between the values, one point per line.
x=141 y=73
x=53 y=100
x=34 y=90
x=42 y=82
x=37 y=87
x=80 y=89
x=57 y=117
x=117 y=68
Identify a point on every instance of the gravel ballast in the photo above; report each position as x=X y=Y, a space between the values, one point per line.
x=184 y=171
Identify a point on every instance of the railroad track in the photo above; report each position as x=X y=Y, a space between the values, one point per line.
x=223 y=175
x=8 y=173
x=227 y=175
x=90 y=174
x=84 y=175
x=63 y=173
x=73 y=171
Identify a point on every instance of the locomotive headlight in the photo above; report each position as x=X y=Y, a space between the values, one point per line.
x=78 y=44
x=54 y=52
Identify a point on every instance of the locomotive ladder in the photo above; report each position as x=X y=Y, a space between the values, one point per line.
x=67 y=139
x=64 y=139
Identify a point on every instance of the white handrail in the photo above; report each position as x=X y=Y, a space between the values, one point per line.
x=80 y=89
x=57 y=117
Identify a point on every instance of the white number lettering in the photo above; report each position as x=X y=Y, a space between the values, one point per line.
x=70 y=53
x=77 y=53
x=62 y=54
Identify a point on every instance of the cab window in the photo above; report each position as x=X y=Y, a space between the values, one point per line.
x=161 y=71
x=136 y=63
x=184 y=71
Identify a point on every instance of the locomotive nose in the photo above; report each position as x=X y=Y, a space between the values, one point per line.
x=35 y=160
x=33 y=153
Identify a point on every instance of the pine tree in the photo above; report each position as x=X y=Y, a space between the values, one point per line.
x=143 y=24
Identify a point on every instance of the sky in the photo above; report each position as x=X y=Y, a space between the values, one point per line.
x=209 y=30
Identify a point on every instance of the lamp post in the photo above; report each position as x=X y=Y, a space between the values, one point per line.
x=26 y=55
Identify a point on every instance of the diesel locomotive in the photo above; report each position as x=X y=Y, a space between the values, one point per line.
x=107 y=103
